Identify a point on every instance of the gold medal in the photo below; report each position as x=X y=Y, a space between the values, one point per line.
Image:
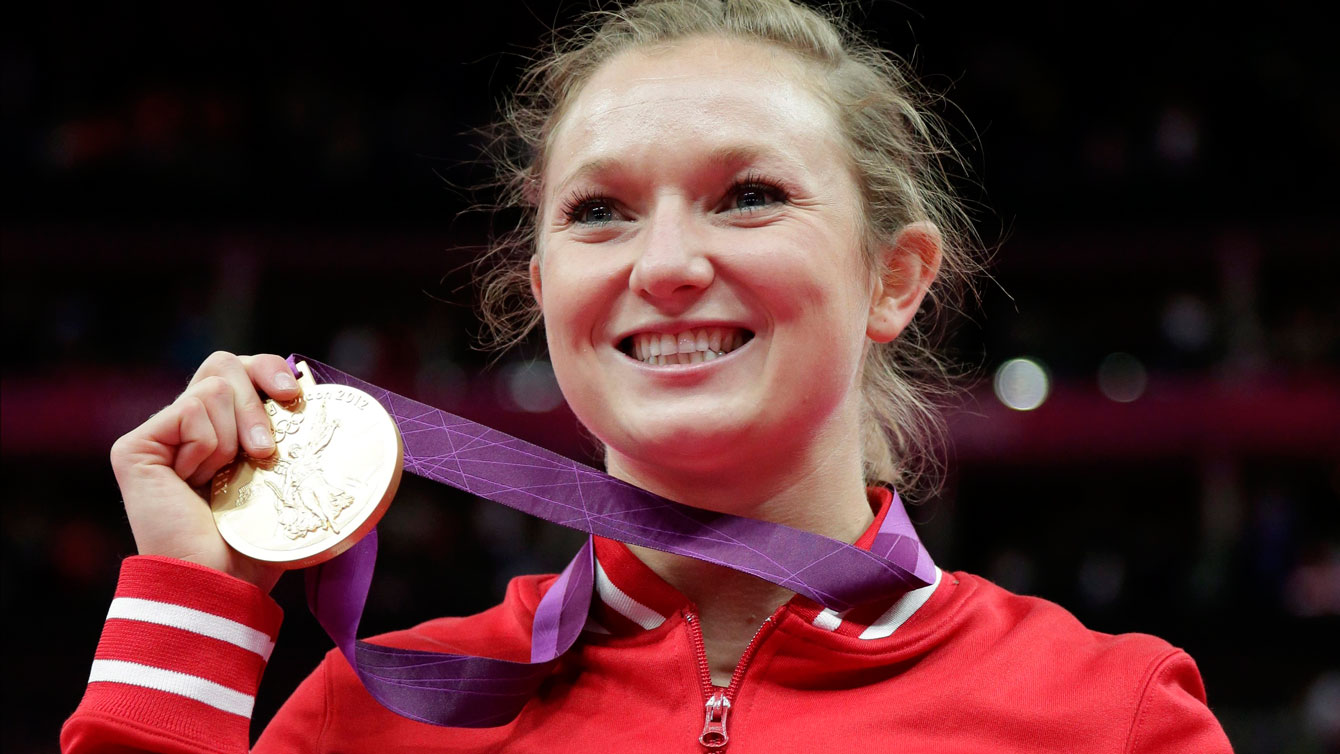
x=335 y=468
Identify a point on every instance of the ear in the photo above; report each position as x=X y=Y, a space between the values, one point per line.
x=535 y=279
x=908 y=266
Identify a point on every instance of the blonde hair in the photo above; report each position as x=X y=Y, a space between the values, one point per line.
x=899 y=153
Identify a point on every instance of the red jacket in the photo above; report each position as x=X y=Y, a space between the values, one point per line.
x=960 y=666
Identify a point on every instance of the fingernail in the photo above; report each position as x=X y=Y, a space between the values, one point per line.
x=261 y=437
x=285 y=381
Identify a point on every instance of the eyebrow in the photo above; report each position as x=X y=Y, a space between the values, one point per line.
x=729 y=155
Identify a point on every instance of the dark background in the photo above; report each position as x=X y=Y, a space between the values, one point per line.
x=1156 y=180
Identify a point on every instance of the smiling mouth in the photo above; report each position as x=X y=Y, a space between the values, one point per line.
x=686 y=347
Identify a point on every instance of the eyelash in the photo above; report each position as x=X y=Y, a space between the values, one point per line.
x=584 y=200
x=756 y=182
x=580 y=201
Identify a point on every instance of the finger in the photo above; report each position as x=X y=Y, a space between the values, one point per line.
x=198 y=438
x=250 y=422
x=271 y=374
x=216 y=395
x=217 y=364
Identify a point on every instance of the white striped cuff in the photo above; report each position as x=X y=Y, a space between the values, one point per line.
x=195 y=621
x=173 y=682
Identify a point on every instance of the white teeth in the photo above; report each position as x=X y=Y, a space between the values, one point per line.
x=686 y=347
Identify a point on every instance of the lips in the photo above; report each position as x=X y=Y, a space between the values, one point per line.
x=691 y=346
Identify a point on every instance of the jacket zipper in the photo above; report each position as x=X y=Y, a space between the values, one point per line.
x=717 y=701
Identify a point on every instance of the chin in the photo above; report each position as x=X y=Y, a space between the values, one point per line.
x=688 y=446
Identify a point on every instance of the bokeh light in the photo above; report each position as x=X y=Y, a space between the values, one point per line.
x=1122 y=378
x=530 y=386
x=1022 y=384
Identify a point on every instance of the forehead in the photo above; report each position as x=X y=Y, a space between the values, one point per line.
x=698 y=96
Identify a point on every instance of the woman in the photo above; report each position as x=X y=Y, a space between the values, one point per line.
x=738 y=211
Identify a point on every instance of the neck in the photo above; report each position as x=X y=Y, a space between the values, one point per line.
x=822 y=492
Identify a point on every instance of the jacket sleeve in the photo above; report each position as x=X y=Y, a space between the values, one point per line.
x=178 y=664
x=1172 y=715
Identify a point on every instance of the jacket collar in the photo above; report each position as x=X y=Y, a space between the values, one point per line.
x=632 y=598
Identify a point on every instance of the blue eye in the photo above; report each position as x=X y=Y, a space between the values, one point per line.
x=753 y=197
x=590 y=210
x=752 y=194
x=593 y=213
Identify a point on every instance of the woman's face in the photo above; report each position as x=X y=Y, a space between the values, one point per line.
x=700 y=270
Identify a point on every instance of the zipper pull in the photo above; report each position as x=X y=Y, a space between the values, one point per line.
x=714 y=723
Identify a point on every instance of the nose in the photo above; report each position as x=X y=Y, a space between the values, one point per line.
x=672 y=263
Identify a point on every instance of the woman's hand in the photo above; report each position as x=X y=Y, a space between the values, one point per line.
x=161 y=463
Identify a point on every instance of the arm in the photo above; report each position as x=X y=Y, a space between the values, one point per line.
x=192 y=626
x=178 y=664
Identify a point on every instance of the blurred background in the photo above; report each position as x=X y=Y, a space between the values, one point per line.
x=1149 y=438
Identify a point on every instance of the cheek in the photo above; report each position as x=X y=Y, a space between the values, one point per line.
x=566 y=299
x=572 y=307
x=823 y=301
x=567 y=355
x=821 y=290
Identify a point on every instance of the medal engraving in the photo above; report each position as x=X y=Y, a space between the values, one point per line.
x=334 y=471
x=305 y=501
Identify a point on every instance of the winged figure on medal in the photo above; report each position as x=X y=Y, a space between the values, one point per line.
x=305 y=498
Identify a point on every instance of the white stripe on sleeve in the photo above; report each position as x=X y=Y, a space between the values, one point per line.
x=195 y=621
x=173 y=682
x=624 y=605
x=901 y=610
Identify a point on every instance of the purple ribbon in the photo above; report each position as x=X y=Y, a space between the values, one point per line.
x=474 y=692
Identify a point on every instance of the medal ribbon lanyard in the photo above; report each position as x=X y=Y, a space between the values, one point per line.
x=469 y=691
